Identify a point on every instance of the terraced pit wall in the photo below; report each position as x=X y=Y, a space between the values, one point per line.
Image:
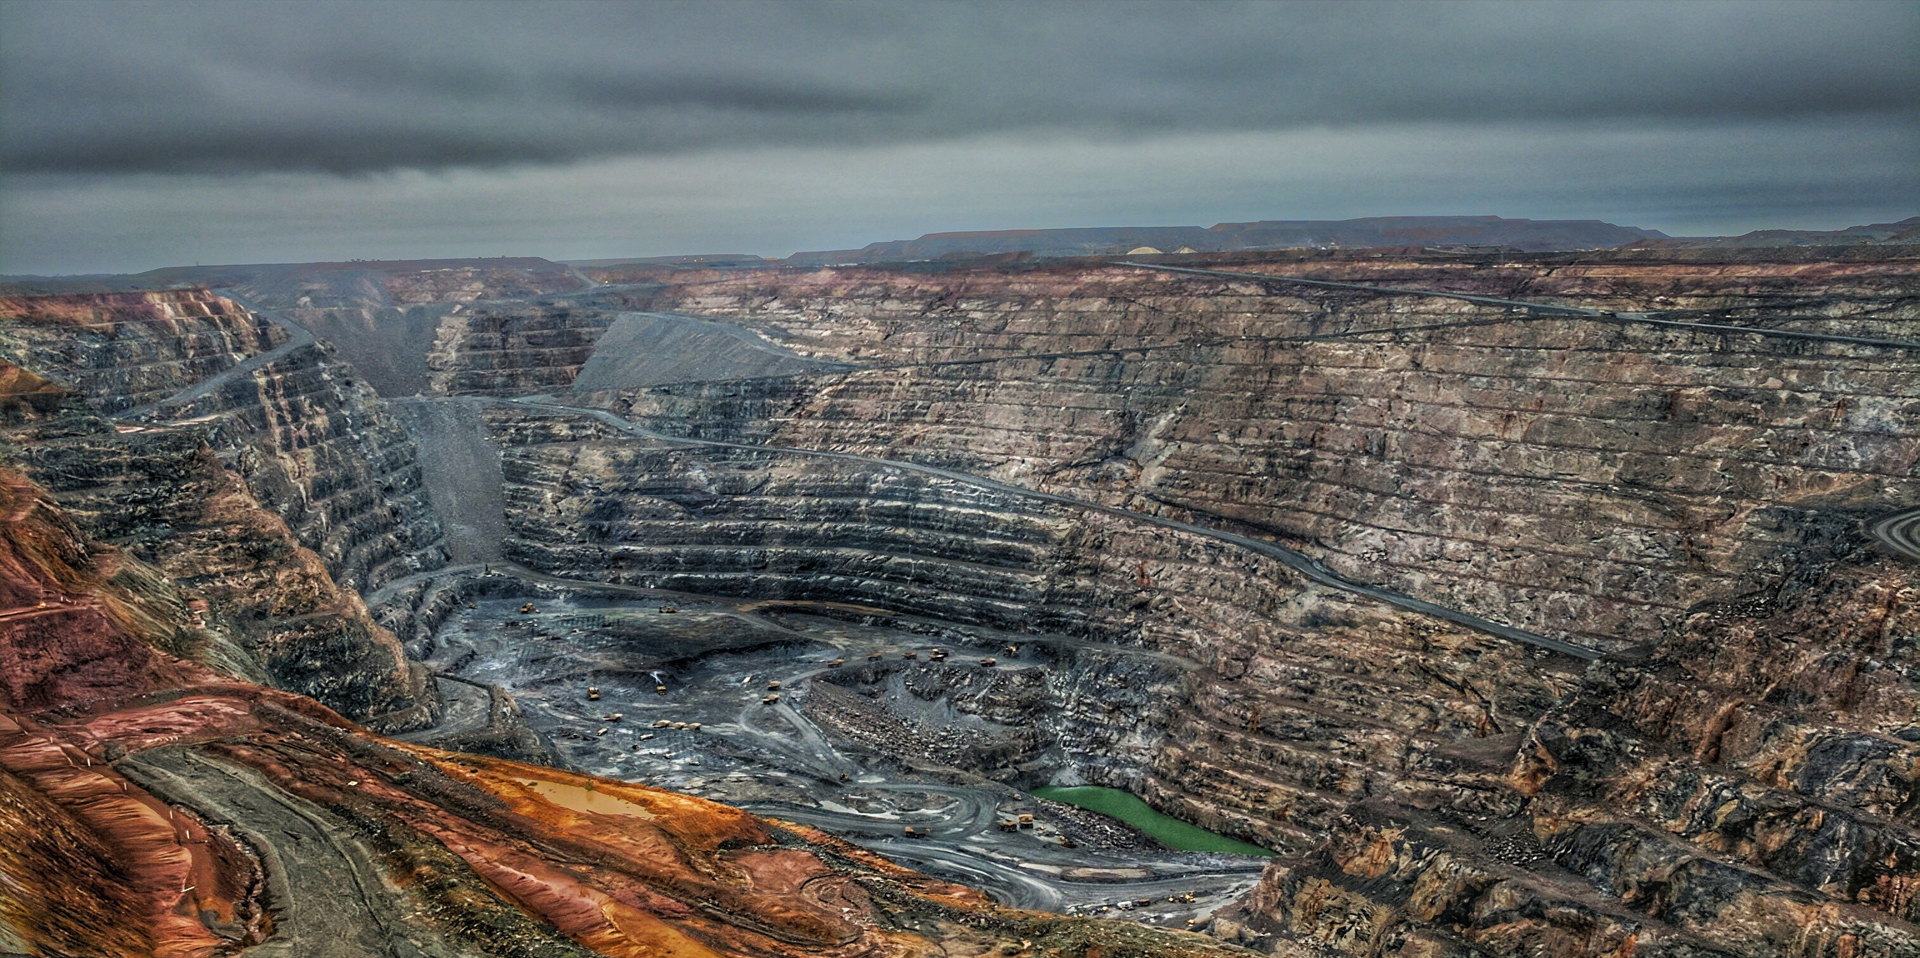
x=1579 y=479
x=514 y=348
x=1735 y=779
x=294 y=488
x=1299 y=698
x=1395 y=760
x=384 y=317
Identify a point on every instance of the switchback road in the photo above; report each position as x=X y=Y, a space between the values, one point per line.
x=297 y=338
x=327 y=888
x=1900 y=532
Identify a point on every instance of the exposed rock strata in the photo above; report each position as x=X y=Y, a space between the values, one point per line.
x=1441 y=463
x=384 y=316
x=509 y=348
x=1595 y=480
x=185 y=495
x=270 y=609
x=304 y=433
x=1742 y=788
x=1308 y=695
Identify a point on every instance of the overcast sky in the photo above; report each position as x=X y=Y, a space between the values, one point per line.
x=139 y=135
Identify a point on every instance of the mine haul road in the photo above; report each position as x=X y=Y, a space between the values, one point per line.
x=973 y=820
x=959 y=832
x=326 y=889
x=297 y=338
x=1899 y=532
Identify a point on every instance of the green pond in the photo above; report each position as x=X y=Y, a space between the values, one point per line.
x=1169 y=831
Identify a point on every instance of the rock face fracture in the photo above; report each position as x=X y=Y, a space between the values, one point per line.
x=1574 y=618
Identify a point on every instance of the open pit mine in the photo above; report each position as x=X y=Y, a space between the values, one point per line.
x=1429 y=604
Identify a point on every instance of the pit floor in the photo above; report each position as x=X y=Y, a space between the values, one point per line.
x=716 y=659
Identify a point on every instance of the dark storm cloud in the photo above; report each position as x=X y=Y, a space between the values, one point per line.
x=358 y=88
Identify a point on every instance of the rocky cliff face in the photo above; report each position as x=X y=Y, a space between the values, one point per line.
x=1292 y=699
x=1744 y=787
x=269 y=609
x=303 y=431
x=127 y=350
x=1765 y=750
x=1571 y=477
x=508 y=348
x=259 y=418
x=383 y=316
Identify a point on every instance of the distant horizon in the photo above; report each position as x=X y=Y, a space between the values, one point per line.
x=630 y=257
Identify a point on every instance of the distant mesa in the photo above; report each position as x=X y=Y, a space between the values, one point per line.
x=1373 y=232
x=1903 y=233
x=689 y=261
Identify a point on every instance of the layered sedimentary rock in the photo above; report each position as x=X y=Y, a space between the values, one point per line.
x=508 y=348
x=304 y=432
x=1742 y=788
x=237 y=414
x=129 y=350
x=1735 y=776
x=1569 y=476
x=1294 y=697
x=270 y=610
